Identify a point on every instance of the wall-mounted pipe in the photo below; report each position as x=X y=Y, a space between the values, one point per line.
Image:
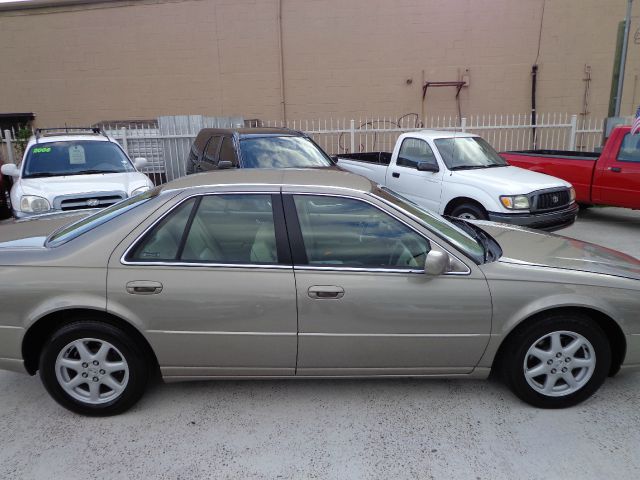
x=283 y=99
x=534 y=80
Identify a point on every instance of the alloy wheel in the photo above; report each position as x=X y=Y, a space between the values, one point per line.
x=92 y=371
x=559 y=363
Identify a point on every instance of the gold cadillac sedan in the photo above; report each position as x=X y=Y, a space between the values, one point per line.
x=302 y=273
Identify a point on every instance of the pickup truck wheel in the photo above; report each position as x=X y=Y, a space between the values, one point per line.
x=469 y=211
x=558 y=361
x=93 y=368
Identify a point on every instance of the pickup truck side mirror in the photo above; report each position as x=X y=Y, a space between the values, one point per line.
x=10 y=170
x=139 y=162
x=436 y=263
x=427 y=167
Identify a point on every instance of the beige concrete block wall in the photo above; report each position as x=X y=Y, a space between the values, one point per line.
x=342 y=58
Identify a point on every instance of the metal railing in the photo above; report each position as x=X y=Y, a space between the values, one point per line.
x=166 y=149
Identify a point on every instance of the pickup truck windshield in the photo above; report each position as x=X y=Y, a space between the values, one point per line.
x=437 y=224
x=466 y=153
x=83 y=157
x=282 y=152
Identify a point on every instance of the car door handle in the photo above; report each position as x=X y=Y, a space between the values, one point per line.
x=395 y=175
x=326 y=291
x=144 y=287
x=615 y=169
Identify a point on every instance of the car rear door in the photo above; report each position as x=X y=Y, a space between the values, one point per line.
x=403 y=176
x=210 y=283
x=365 y=306
x=617 y=181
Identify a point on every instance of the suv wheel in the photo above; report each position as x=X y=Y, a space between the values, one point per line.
x=93 y=368
x=557 y=362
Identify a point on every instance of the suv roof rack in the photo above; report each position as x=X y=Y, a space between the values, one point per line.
x=41 y=132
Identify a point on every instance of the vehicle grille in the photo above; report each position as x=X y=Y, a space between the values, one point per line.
x=96 y=200
x=552 y=200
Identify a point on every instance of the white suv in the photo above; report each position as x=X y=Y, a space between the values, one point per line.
x=73 y=169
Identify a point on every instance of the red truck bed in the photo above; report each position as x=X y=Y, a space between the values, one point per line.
x=610 y=178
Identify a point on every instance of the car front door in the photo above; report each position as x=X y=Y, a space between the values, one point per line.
x=618 y=182
x=211 y=285
x=365 y=305
x=422 y=187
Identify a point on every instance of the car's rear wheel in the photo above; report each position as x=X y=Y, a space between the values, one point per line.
x=93 y=368
x=469 y=211
x=558 y=361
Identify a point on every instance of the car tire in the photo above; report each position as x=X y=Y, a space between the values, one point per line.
x=557 y=361
x=469 y=211
x=93 y=368
x=5 y=201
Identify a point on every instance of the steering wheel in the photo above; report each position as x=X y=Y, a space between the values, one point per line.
x=397 y=251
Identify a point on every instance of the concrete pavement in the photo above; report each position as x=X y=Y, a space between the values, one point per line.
x=337 y=429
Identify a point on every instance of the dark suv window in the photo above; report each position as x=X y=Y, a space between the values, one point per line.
x=228 y=152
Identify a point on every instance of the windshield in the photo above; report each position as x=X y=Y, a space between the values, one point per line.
x=282 y=152
x=79 y=157
x=76 y=229
x=437 y=224
x=465 y=153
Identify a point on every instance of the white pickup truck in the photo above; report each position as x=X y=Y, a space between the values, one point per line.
x=461 y=175
x=72 y=169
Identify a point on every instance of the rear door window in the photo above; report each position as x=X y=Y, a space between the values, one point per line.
x=219 y=229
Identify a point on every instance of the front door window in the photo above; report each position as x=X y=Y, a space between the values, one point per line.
x=351 y=233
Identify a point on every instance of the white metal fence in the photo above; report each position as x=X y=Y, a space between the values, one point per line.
x=166 y=147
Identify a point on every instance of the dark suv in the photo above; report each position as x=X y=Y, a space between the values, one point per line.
x=217 y=148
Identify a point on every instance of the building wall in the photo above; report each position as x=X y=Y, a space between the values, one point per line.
x=342 y=58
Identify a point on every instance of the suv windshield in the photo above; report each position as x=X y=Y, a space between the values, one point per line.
x=282 y=152
x=80 y=157
x=69 y=232
x=437 y=224
x=466 y=153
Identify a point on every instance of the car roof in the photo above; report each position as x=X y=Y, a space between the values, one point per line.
x=250 y=132
x=329 y=177
x=66 y=137
x=434 y=134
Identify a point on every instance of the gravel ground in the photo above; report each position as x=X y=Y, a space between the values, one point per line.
x=334 y=429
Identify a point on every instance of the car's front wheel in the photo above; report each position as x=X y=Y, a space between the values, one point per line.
x=93 y=368
x=557 y=361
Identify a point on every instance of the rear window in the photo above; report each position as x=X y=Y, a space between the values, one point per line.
x=69 y=232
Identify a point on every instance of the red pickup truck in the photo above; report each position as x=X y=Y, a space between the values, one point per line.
x=609 y=178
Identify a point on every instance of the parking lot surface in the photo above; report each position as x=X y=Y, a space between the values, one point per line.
x=334 y=428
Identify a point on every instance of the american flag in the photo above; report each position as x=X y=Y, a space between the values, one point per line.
x=635 y=127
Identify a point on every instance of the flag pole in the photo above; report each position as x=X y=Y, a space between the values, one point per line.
x=623 y=58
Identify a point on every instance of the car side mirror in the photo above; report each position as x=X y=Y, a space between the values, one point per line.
x=139 y=162
x=10 y=170
x=223 y=164
x=427 y=167
x=436 y=263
